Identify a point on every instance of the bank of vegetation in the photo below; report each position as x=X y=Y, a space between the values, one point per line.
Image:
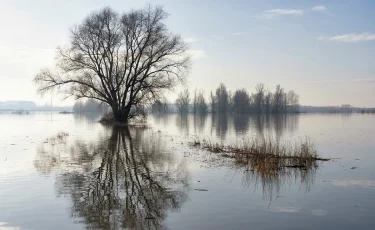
x=240 y=101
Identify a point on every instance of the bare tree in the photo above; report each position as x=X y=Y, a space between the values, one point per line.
x=124 y=61
x=195 y=100
x=279 y=100
x=259 y=97
x=182 y=101
x=268 y=102
x=293 y=101
x=213 y=102
x=160 y=106
x=222 y=99
x=241 y=101
x=200 y=104
x=89 y=105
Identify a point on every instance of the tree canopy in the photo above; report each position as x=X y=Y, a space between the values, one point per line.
x=123 y=60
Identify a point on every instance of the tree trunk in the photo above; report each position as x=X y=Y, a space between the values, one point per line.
x=121 y=115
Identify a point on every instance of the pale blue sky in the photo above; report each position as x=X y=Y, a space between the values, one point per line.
x=322 y=49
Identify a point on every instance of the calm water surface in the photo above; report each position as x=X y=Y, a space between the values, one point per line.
x=70 y=172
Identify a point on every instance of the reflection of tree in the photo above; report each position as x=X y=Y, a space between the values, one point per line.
x=259 y=123
x=292 y=121
x=220 y=124
x=126 y=182
x=161 y=118
x=199 y=122
x=182 y=123
x=278 y=123
x=241 y=123
x=283 y=122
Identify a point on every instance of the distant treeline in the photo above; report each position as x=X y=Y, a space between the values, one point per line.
x=335 y=109
x=17 y=105
x=223 y=101
x=89 y=105
x=262 y=101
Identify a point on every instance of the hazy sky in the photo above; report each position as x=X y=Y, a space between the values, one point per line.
x=322 y=49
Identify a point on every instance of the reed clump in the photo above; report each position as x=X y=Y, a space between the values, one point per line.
x=59 y=138
x=267 y=154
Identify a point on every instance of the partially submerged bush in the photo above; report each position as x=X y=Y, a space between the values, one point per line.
x=267 y=153
x=267 y=162
x=107 y=118
x=138 y=118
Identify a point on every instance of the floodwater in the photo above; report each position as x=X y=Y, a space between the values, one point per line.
x=69 y=172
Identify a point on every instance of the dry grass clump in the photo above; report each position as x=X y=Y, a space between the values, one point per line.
x=268 y=162
x=107 y=119
x=62 y=135
x=57 y=139
x=267 y=154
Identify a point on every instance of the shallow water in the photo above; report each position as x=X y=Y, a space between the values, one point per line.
x=99 y=177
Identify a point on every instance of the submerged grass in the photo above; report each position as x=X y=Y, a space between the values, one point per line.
x=269 y=162
x=57 y=139
x=267 y=154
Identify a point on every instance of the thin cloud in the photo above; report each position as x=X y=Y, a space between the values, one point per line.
x=190 y=40
x=351 y=38
x=284 y=12
x=269 y=14
x=195 y=54
x=319 y=8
